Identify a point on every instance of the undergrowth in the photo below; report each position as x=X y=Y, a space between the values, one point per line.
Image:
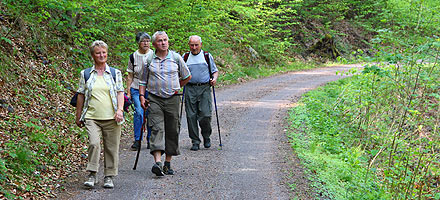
x=43 y=47
x=374 y=135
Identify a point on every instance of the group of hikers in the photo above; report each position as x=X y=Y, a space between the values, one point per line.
x=153 y=84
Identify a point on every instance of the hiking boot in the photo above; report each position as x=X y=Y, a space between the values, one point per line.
x=91 y=180
x=207 y=143
x=108 y=182
x=167 y=169
x=157 y=169
x=195 y=147
x=136 y=145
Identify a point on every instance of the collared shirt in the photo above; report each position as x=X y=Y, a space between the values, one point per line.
x=137 y=68
x=164 y=75
x=199 y=68
x=86 y=88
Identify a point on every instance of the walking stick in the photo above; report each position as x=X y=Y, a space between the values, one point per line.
x=216 y=115
x=213 y=93
x=140 y=141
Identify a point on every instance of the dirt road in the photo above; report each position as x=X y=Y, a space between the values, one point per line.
x=254 y=163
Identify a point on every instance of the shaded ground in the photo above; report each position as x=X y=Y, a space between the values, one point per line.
x=256 y=161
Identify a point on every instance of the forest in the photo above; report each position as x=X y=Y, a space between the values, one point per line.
x=372 y=136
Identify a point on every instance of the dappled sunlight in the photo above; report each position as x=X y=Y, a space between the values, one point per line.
x=261 y=104
x=324 y=72
x=247 y=169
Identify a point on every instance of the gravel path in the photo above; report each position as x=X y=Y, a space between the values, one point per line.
x=255 y=162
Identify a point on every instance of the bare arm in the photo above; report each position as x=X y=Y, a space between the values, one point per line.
x=79 y=108
x=185 y=81
x=119 y=112
x=129 y=81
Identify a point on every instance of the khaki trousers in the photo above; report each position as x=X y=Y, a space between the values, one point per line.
x=164 y=121
x=111 y=135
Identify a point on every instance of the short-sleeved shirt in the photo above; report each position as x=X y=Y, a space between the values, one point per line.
x=138 y=68
x=164 y=75
x=100 y=104
x=86 y=88
x=199 y=68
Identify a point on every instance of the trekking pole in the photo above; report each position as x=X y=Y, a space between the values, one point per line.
x=216 y=115
x=140 y=140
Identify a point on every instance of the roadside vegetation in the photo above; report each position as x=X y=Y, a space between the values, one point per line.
x=376 y=135
x=44 y=47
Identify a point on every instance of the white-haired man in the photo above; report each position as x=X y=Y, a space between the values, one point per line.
x=198 y=100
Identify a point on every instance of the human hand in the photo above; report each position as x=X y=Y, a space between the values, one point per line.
x=119 y=115
x=79 y=123
x=144 y=102
x=212 y=82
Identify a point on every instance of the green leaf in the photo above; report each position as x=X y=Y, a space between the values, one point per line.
x=6 y=40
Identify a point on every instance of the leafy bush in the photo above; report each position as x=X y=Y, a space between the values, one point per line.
x=377 y=131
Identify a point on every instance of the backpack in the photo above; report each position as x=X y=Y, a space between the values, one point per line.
x=127 y=101
x=206 y=55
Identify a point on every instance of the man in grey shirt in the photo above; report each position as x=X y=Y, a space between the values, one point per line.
x=163 y=76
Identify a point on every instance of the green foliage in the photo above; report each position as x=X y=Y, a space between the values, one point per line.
x=377 y=131
x=388 y=115
x=417 y=20
x=3 y=178
x=44 y=47
x=249 y=39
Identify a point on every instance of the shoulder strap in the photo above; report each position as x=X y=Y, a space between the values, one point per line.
x=209 y=63
x=176 y=57
x=87 y=74
x=132 y=59
x=185 y=56
x=149 y=60
x=113 y=71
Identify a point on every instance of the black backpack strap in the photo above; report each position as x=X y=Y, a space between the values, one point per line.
x=185 y=56
x=132 y=59
x=209 y=63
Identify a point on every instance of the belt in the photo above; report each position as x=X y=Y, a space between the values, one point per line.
x=198 y=84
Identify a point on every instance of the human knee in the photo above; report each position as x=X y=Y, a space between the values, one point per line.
x=94 y=145
x=205 y=119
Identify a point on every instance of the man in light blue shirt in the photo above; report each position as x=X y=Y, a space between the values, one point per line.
x=198 y=99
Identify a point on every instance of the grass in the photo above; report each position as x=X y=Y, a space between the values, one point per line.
x=350 y=136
